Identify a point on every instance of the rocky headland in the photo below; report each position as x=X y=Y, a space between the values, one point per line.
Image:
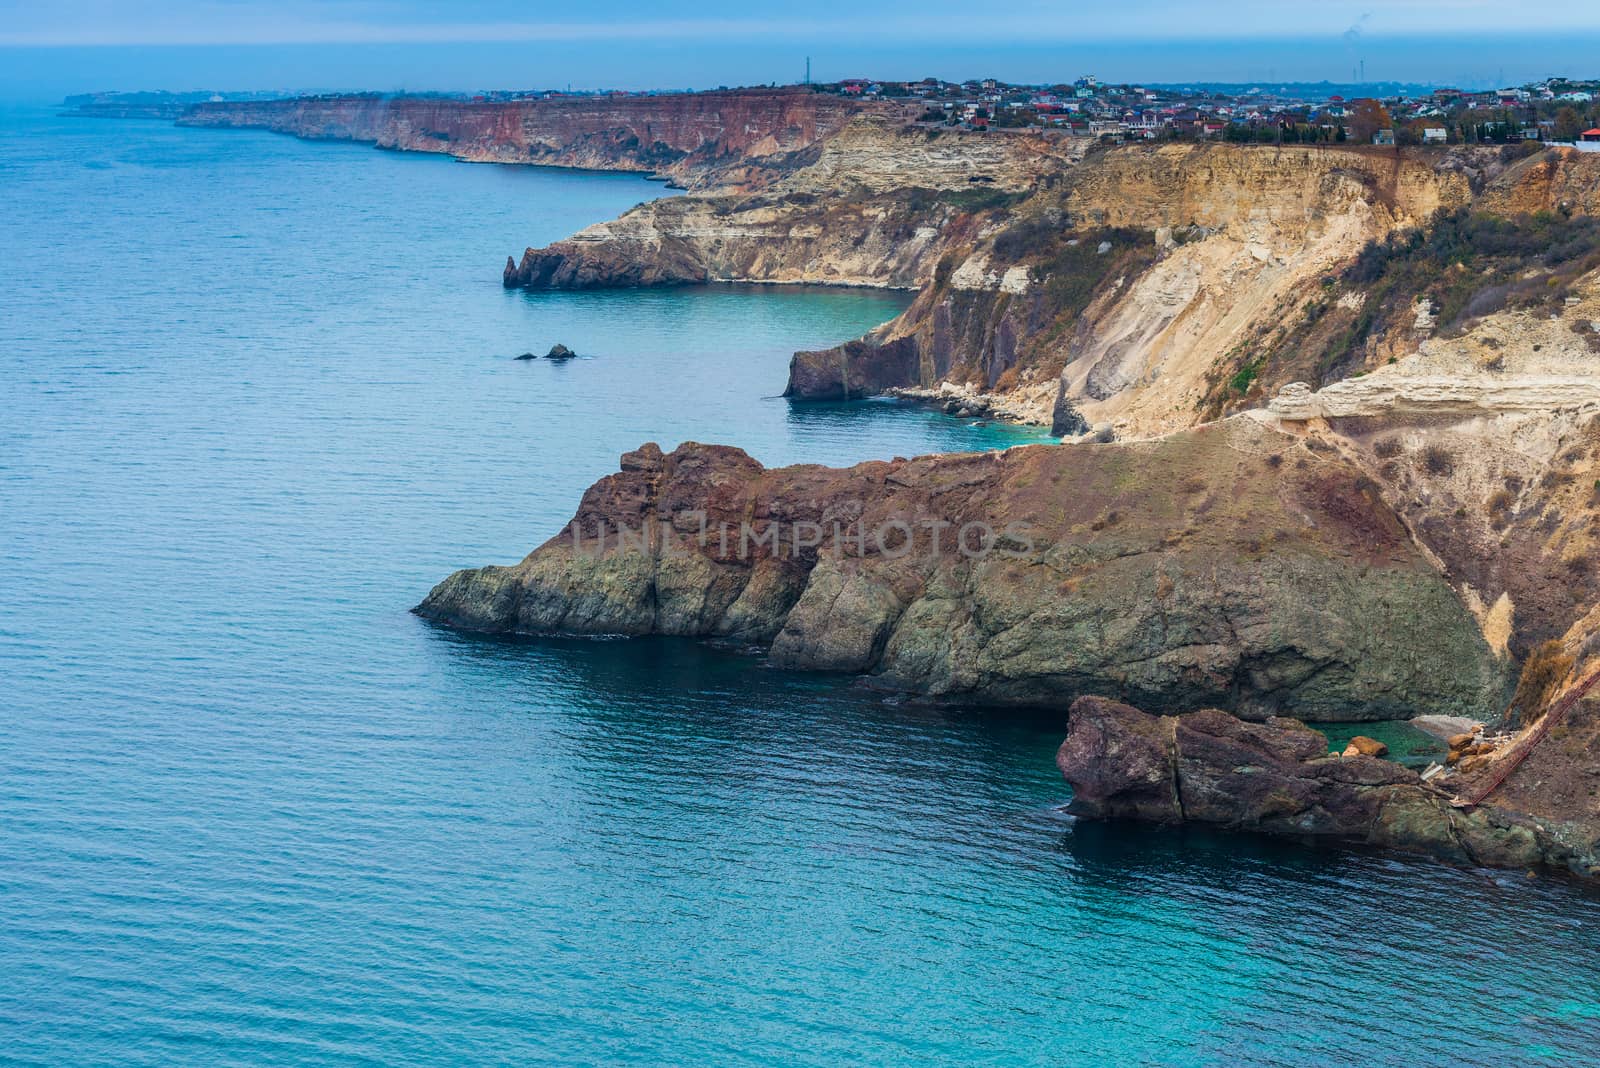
x=695 y=139
x=1230 y=565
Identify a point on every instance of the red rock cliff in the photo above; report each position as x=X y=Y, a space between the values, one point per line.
x=679 y=134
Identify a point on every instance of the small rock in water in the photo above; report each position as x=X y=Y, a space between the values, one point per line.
x=526 y=356
x=559 y=352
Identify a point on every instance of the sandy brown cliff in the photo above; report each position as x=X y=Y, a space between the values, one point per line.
x=876 y=204
x=1156 y=287
x=687 y=136
x=1145 y=287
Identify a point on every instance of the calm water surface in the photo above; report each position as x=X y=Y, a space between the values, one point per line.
x=256 y=396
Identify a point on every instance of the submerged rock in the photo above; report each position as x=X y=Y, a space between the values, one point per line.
x=1211 y=768
x=1201 y=569
x=526 y=356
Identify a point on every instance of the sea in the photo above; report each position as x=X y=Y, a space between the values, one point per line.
x=257 y=395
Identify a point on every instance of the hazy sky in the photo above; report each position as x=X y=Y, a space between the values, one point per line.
x=71 y=45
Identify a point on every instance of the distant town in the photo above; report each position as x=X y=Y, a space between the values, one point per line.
x=1557 y=110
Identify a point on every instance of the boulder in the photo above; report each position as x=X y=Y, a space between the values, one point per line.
x=1211 y=768
x=1365 y=746
x=1120 y=762
x=559 y=352
x=861 y=368
x=1446 y=727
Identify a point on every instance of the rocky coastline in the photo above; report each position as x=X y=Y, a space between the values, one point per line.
x=1145 y=287
x=1232 y=565
x=1334 y=442
x=694 y=140
x=1278 y=777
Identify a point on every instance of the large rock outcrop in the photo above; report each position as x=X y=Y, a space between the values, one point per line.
x=1278 y=777
x=1224 y=566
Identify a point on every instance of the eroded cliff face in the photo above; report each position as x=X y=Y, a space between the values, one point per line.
x=876 y=204
x=1197 y=251
x=1228 y=566
x=1144 y=288
x=691 y=137
x=1487 y=444
x=892 y=241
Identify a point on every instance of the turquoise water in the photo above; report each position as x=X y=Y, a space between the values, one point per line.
x=257 y=398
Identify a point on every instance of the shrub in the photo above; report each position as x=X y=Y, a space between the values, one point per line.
x=1029 y=237
x=1073 y=271
x=1547 y=665
x=1473 y=264
x=976 y=200
x=1386 y=448
x=1246 y=376
x=1438 y=461
x=1520 y=150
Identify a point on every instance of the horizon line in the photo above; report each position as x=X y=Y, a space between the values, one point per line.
x=1010 y=30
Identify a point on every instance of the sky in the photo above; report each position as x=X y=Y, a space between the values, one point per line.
x=58 y=46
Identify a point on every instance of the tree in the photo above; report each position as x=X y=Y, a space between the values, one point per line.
x=1568 y=125
x=1367 y=117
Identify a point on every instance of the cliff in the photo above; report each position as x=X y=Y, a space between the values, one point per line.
x=1279 y=778
x=1144 y=287
x=876 y=204
x=687 y=136
x=856 y=238
x=1226 y=566
x=1146 y=275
